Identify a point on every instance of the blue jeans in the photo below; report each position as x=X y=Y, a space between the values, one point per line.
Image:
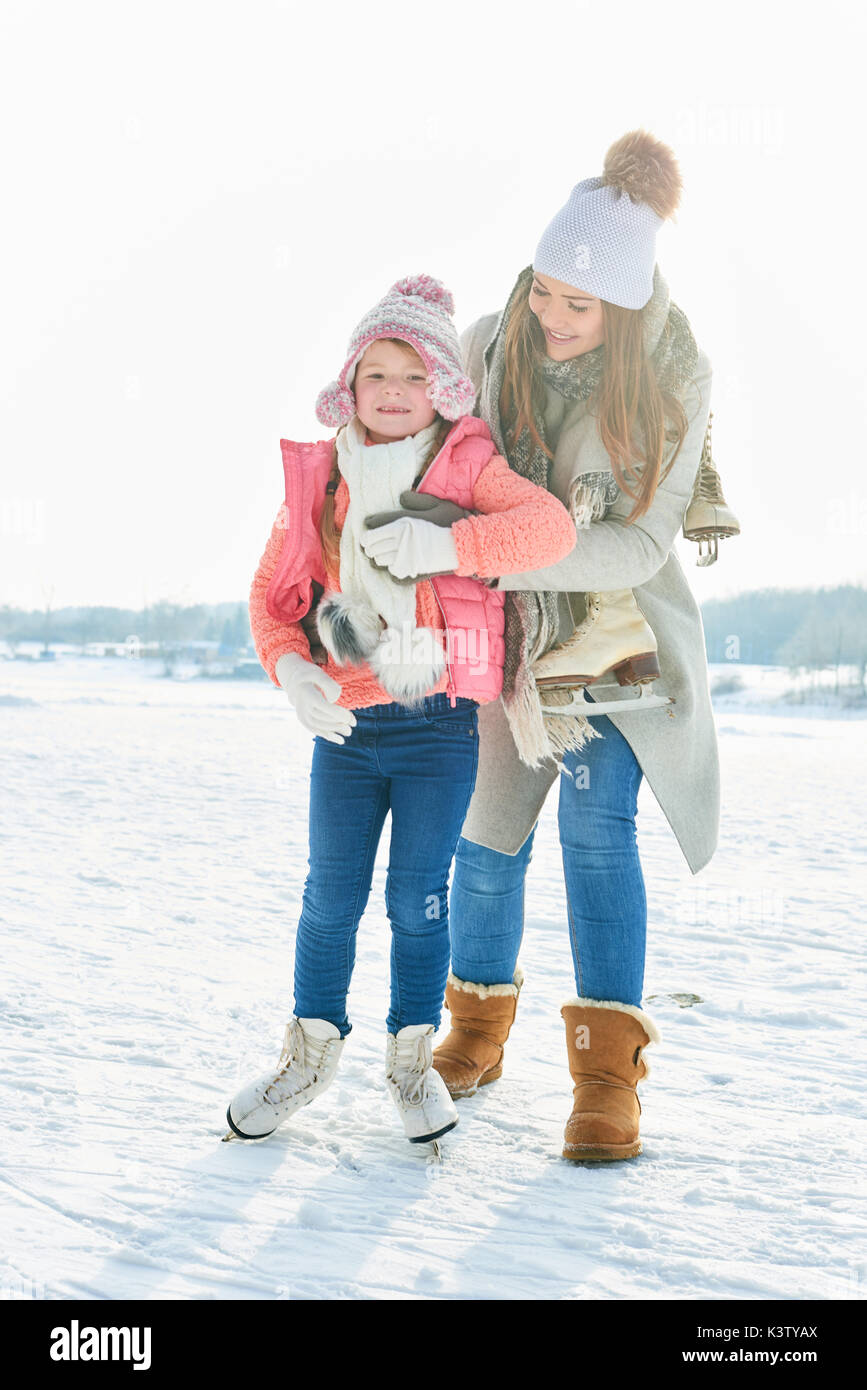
x=606 y=904
x=421 y=764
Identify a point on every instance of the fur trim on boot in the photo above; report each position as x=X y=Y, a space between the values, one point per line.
x=349 y=628
x=605 y=1042
x=482 y=1016
x=490 y=991
x=644 y=1019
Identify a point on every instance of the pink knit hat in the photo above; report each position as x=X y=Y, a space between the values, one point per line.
x=418 y=310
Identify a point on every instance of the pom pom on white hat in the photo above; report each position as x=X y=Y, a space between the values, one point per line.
x=603 y=239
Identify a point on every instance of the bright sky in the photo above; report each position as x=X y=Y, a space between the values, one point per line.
x=201 y=199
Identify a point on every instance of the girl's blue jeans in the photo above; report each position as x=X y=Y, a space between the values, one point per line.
x=606 y=906
x=419 y=763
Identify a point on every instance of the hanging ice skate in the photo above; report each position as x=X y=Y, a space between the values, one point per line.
x=614 y=637
x=708 y=518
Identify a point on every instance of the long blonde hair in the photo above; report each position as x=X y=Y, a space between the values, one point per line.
x=328 y=532
x=628 y=399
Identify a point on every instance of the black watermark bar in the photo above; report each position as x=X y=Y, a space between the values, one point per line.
x=227 y=1337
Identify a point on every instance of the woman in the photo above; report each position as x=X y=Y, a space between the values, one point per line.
x=591 y=382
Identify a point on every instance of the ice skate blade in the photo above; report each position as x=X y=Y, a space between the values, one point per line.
x=432 y=1138
x=579 y=705
x=245 y=1138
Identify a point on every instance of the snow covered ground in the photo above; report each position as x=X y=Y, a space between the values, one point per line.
x=154 y=854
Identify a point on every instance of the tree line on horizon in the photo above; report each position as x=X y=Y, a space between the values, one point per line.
x=803 y=629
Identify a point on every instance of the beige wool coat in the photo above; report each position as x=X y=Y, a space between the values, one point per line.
x=678 y=755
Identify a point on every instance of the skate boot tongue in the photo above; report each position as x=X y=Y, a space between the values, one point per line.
x=307 y=1048
x=413 y=1055
x=318 y=1030
x=316 y=1034
x=293 y=1044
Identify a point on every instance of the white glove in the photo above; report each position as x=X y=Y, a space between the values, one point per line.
x=312 y=693
x=410 y=546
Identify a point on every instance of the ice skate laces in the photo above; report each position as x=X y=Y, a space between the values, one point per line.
x=411 y=1075
x=293 y=1051
x=293 y=1044
x=709 y=485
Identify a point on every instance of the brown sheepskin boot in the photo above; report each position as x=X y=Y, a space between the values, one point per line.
x=472 y=1053
x=605 y=1042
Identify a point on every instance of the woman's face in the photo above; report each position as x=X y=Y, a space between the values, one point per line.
x=389 y=387
x=571 y=320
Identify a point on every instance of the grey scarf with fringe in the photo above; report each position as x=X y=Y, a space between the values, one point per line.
x=531 y=617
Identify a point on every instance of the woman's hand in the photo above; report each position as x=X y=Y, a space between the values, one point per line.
x=426 y=506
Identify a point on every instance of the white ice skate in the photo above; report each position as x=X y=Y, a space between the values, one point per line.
x=419 y=1092
x=311 y=1051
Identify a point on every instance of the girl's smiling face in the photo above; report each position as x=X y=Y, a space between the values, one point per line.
x=571 y=320
x=389 y=386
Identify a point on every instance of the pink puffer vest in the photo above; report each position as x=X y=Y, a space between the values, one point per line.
x=472 y=613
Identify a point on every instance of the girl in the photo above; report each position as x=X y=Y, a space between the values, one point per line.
x=407 y=643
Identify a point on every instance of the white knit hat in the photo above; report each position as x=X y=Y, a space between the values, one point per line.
x=603 y=240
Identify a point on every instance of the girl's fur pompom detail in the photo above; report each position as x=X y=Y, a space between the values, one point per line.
x=646 y=169
x=428 y=288
x=406 y=664
x=350 y=630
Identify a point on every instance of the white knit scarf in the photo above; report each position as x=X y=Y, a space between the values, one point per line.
x=405 y=659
